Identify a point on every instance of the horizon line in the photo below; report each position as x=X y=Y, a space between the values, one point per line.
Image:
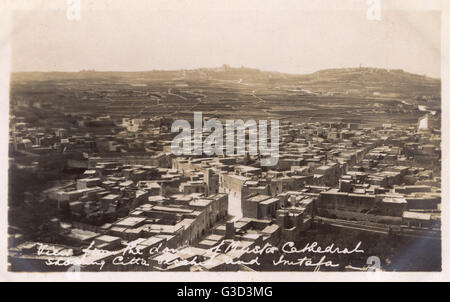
x=222 y=66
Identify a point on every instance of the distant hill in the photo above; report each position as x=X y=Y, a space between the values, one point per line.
x=364 y=81
x=373 y=81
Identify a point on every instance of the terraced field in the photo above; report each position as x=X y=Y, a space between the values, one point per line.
x=370 y=96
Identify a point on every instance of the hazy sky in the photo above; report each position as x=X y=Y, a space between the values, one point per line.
x=287 y=40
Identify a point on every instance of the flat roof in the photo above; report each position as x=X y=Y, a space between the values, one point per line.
x=171 y=209
x=107 y=238
x=269 y=201
x=415 y=215
x=81 y=234
x=258 y=198
x=395 y=200
x=111 y=196
x=130 y=221
x=151 y=241
x=200 y=202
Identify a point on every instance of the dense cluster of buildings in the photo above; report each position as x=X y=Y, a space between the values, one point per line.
x=133 y=192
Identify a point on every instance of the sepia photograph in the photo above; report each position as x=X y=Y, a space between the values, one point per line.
x=259 y=137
